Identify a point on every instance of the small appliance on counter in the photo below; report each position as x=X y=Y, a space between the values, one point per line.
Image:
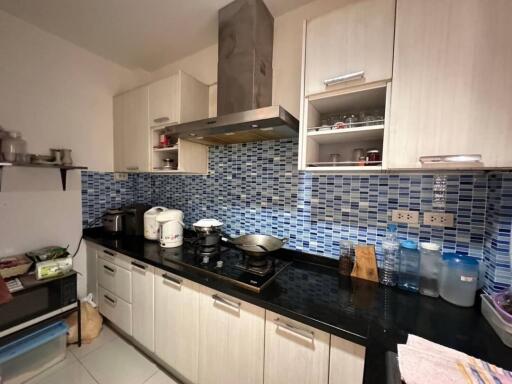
x=171 y=228
x=133 y=219
x=208 y=236
x=113 y=221
x=151 y=227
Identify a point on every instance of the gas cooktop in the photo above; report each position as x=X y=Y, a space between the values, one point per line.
x=228 y=263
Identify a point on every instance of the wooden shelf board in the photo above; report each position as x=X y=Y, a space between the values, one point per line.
x=345 y=135
x=168 y=149
x=350 y=168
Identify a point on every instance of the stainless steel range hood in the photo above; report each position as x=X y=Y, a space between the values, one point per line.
x=244 y=88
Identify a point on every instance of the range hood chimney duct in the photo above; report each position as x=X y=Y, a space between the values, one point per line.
x=246 y=35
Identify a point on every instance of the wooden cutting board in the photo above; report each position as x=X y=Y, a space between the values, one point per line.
x=365 y=266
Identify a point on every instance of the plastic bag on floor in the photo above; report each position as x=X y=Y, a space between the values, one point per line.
x=91 y=322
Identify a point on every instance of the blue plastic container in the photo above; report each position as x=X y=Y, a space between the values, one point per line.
x=28 y=356
x=409 y=270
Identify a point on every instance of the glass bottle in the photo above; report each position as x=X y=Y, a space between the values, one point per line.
x=13 y=146
x=390 y=247
x=409 y=271
x=346 y=260
x=430 y=266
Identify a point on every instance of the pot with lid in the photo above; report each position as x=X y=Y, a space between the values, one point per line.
x=208 y=235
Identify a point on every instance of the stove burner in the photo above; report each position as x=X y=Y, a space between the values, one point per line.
x=261 y=270
x=207 y=250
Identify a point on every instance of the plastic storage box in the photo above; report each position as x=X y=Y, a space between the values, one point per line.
x=500 y=326
x=31 y=354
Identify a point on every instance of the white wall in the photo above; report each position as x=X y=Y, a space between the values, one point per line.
x=57 y=95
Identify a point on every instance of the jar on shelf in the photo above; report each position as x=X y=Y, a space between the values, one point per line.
x=13 y=147
x=373 y=157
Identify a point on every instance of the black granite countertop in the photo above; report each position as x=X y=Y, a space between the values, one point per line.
x=312 y=292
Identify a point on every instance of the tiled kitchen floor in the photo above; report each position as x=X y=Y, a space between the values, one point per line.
x=107 y=360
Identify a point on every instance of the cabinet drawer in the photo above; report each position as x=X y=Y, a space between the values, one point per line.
x=115 y=279
x=107 y=274
x=116 y=310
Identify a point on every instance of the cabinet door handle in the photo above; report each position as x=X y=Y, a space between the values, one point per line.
x=110 y=270
x=162 y=119
x=344 y=78
x=451 y=159
x=110 y=300
x=139 y=266
x=109 y=252
x=132 y=168
x=309 y=335
x=229 y=303
x=173 y=280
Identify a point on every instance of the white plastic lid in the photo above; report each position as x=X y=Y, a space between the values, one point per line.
x=169 y=215
x=207 y=223
x=430 y=246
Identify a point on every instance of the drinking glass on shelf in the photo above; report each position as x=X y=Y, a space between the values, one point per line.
x=351 y=121
x=334 y=158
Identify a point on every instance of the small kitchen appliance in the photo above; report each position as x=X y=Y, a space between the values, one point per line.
x=151 y=227
x=171 y=228
x=113 y=221
x=208 y=236
x=133 y=220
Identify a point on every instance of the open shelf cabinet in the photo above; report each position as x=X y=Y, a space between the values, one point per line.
x=338 y=128
x=184 y=156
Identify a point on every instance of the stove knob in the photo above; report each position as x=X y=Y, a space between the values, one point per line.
x=220 y=263
x=206 y=259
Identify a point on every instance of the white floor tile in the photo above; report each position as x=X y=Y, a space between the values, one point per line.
x=73 y=373
x=161 y=378
x=117 y=362
x=69 y=360
x=104 y=337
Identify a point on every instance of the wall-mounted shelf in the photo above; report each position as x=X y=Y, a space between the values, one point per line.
x=63 y=170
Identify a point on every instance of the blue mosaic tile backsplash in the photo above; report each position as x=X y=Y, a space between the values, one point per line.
x=256 y=188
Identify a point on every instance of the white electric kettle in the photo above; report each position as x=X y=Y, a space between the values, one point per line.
x=171 y=228
x=151 y=227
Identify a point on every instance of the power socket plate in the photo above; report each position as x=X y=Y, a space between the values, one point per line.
x=406 y=217
x=119 y=176
x=439 y=219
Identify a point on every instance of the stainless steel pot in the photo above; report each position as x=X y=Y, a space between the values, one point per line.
x=257 y=246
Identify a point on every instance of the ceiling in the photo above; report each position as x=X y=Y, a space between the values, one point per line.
x=137 y=34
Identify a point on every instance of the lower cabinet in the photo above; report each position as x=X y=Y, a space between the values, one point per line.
x=177 y=323
x=346 y=362
x=231 y=340
x=115 y=309
x=143 y=306
x=294 y=352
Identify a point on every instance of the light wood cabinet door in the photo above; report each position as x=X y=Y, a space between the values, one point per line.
x=131 y=131
x=346 y=362
x=356 y=37
x=452 y=82
x=294 y=352
x=177 y=323
x=143 y=308
x=164 y=101
x=231 y=338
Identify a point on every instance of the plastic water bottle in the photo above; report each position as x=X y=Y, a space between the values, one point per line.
x=409 y=274
x=390 y=248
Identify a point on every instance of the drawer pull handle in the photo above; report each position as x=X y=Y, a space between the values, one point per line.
x=111 y=301
x=132 y=168
x=162 y=119
x=173 y=280
x=451 y=159
x=344 y=78
x=139 y=266
x=109 y=252
x=108 y=269
x=309 y=335
x=229 y=303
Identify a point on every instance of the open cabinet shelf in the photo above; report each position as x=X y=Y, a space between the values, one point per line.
x=339 y=126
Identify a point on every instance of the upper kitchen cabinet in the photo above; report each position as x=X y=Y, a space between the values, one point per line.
x=350 y=46
x=131 y=134
x=452 y=85
x=177 y=99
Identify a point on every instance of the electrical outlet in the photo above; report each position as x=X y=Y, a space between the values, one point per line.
x=407 y=217
x=439 y=219
x=120 y=176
